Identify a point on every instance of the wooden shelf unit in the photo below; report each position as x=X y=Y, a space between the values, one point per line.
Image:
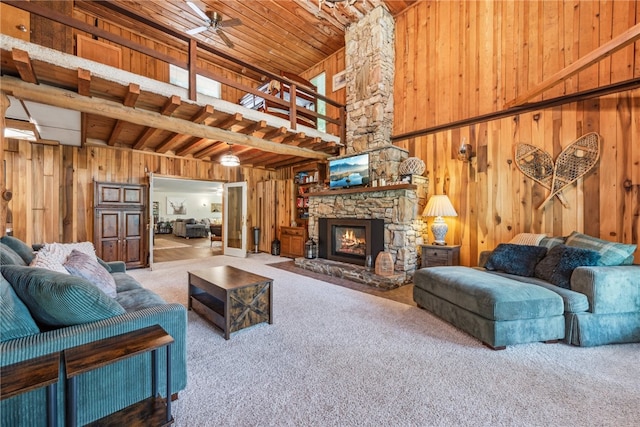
x=306 y=176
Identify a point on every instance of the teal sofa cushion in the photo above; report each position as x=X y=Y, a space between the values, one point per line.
x=139 y=299
x=21 y=248
x=124 y=282
x=611 y=253
x=515 y=259
x=56 y=299
x=9 y=257
x=574 y=302
x=491 y=296
x=16 y=321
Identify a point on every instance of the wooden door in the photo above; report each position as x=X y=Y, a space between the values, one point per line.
x=132 y=238
x=107 y=233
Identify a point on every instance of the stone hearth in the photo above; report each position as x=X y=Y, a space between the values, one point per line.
x=356 y=273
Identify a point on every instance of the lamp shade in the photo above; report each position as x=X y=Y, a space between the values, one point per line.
x=439 y=205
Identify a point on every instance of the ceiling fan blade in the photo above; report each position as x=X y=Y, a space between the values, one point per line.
x=195 y=31
x=230 y=23
x=225 y=39
x=198 y=11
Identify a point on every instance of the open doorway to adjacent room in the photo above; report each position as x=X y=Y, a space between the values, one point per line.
x=187 y=218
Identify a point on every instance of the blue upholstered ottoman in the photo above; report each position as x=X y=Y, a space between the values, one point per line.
x=496 y=310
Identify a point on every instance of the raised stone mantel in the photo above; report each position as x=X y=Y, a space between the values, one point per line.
x=356 y=190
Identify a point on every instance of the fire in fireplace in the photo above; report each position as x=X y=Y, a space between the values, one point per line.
x=350 y=240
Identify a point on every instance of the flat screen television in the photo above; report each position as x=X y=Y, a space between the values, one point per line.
x=352 y=171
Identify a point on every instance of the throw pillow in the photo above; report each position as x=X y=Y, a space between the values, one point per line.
x=550 y=242
x=20 y=247
x=529 y=239
x=60 y=251
x=9 y=257
x=611 y=253
x=81 y=265
x=547 y=265
x=557 y=267
x=571 y=259
x=16 y=319
x=60 y=300
x=42 y=260
x=520 y=260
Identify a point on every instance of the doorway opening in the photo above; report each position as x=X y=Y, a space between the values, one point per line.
x=186 y=219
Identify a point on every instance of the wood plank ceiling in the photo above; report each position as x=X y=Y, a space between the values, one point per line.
x=275 y=36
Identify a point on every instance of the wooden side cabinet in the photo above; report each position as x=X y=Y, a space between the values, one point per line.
x=120 y=226
x=292 y=241
x=434 y=255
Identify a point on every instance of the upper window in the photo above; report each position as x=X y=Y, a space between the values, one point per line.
x=204 y=85
x=319 y=82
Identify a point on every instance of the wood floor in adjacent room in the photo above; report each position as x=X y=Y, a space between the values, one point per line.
x=168 y=247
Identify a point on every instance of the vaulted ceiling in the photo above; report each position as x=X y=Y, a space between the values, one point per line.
x=276 y=35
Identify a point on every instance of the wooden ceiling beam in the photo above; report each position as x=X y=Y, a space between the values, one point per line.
x=23 y=64
x=228 y=122
x=194 y=146
x=253 y=128
x=167 y=109
x=84 y=82
x=626 y=38
x=216 y=148
x=68 y=99
x=294 y=138
x=133 y=92
x=310 y=142
x=265 y=160
x=177 y=139
x=275 y=133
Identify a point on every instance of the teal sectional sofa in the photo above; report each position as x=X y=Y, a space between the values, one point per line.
x=44 y=311
x=592 y=305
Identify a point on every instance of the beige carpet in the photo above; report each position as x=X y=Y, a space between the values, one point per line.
x=338 y=357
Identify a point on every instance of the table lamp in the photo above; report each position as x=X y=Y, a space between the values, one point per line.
x=439 y=206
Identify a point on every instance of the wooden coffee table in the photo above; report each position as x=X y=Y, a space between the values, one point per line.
x=230 y=298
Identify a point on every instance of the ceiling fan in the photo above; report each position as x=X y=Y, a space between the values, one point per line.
x=214 y=21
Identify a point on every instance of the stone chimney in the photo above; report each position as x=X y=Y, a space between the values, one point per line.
x=369 y=72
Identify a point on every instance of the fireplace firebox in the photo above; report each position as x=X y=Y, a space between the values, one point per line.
x=350 y=240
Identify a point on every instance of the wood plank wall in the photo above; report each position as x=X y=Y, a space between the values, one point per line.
x=460 y=59
x=53 y=184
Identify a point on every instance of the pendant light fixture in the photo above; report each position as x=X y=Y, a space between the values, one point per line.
x=230 y=159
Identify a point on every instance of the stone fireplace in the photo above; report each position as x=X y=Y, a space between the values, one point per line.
x=350 y=240
x=369 y=73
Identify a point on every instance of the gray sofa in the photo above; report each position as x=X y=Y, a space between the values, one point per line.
x=188 y=228
x=76 y=313
x=600 y=305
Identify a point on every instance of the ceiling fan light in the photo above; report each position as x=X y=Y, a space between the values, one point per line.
x=229 y=159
